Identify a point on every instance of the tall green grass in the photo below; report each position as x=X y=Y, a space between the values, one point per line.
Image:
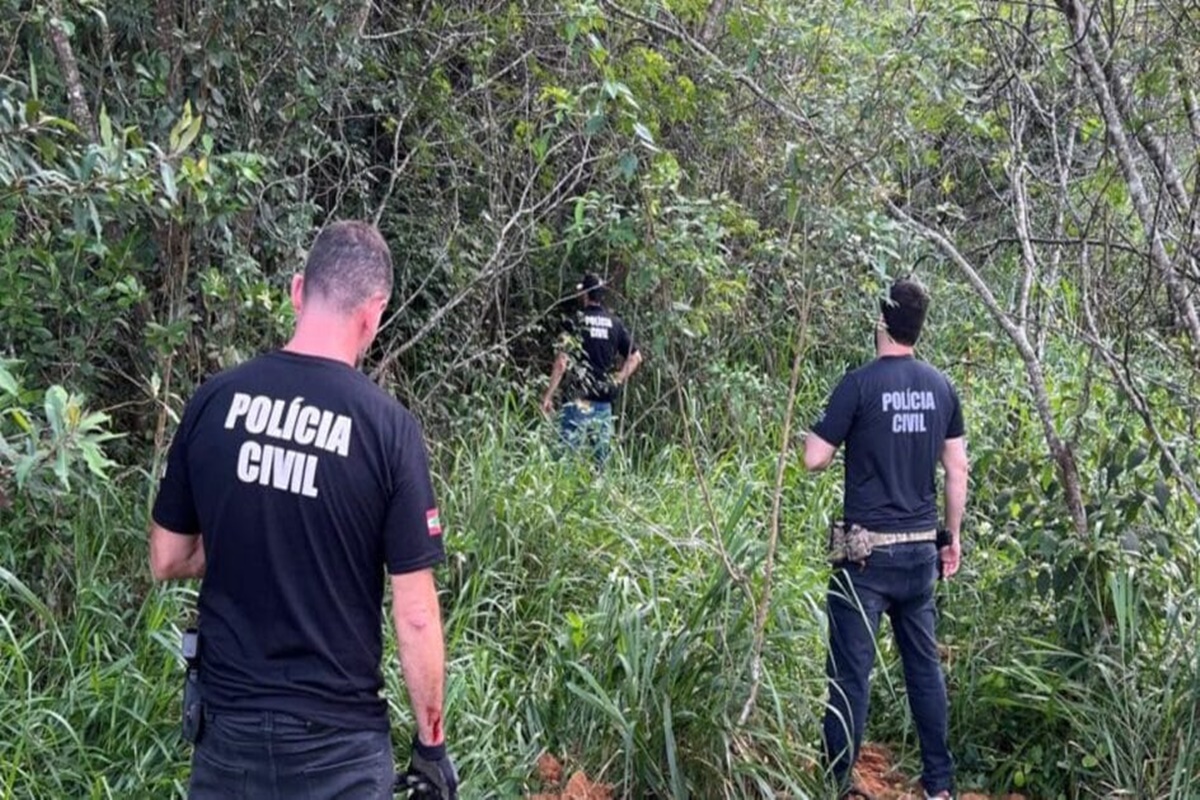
x=607 y=617
x=87 y=700
x=593 y=613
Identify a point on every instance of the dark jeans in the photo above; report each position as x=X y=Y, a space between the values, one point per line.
x=587 y=423
x=899 y=580
x=274 y=756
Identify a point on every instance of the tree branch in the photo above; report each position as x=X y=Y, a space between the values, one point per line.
x=1114 y=122
x=1063 y=456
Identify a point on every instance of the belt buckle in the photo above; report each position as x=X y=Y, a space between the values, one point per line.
x=584 y=405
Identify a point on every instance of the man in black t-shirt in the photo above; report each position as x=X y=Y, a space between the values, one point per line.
x=586 y=357
x=292 y=483
x=898 y=417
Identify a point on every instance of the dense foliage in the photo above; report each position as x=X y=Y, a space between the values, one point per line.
x=749 y=175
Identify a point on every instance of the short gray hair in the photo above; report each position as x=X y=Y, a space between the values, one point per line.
x=348 y=263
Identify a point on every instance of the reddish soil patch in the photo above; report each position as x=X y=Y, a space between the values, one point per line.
x=578 y=786
x=549 y=770
x=876 y=773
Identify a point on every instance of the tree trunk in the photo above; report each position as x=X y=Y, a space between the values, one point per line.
x=164 y=24
x=712 y=21
x=76 y=100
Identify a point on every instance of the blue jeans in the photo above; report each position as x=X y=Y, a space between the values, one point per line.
x=898 y=579
x=587 y=423
x=276 y=756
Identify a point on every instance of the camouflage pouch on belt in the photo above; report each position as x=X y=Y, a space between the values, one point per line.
x=853 y=544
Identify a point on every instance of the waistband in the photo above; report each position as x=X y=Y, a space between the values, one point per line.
x=587 y=404
x=910 y=537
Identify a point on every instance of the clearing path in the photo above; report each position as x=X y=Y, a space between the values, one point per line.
x=876 y=773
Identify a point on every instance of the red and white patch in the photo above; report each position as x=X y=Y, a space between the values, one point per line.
x=434 y=522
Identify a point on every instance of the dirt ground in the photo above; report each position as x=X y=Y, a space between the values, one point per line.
x=875 y=773
x=578 y=786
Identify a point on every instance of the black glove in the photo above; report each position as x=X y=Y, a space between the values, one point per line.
x=431 y=773
x=944 y=539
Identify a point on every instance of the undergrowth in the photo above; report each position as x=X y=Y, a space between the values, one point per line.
x=608 y=618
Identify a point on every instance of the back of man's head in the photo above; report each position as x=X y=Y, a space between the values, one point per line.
x=349 y=263
x=592 y=287
x=904 y=311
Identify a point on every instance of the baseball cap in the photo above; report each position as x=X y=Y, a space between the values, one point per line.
x=590 y=282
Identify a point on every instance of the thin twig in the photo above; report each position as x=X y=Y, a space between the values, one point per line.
x=738 y=576
x=764 y=605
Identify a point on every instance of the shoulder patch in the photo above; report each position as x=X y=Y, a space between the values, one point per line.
x=433 y=522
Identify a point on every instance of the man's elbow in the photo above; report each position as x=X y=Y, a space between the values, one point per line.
x=415 y=622
x=161 y=567
x=817 y=456
x=171 y=558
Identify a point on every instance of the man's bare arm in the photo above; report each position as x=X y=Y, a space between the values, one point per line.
x=629 y=367
x=818 y=453
x=175 y=555
x=954 y=461
x=556 y=375
x=422 y=650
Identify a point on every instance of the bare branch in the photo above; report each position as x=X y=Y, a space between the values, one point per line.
x=1136 y=399
x=496 y=263
x=1060 y=450
x=1115 y=124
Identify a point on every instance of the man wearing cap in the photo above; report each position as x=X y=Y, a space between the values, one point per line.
x=898 y=417
x=586 y=357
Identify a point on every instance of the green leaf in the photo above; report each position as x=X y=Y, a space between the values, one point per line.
x=8 y=383
x=594 y=124
x=1162 y=495
x=106 y=134
x=643 y=133
x=185 y=119
x=95 y=459
x=56 y=409
x=22 y=421
x=189 y=133
x=24 y=469
x=62 y=468
x=88 y=164
x=752 y=59
x=628 y=164
x=25 y=593
x=33 y=110
x=168 y=177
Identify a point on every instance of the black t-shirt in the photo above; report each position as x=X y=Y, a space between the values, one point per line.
x=894 y=416
x=593 y=338
x=305 y=479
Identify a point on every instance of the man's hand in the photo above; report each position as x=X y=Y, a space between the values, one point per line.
x=951 y=556
x=432 y=766
x=547 y=405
